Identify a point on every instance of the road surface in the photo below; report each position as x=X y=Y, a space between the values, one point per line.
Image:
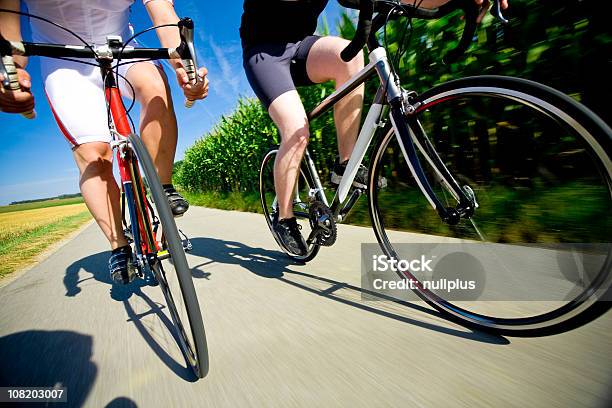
x=279 y=335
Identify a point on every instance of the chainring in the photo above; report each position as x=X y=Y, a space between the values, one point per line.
x=323 y=224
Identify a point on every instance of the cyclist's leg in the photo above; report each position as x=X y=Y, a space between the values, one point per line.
x=268 y=69
x=158 y=127
x=324 y=64
x=289 y=115
x=75 y=96
x=99 y=189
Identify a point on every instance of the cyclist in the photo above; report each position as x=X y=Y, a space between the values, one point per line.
x=75 y=94
x=280 y=52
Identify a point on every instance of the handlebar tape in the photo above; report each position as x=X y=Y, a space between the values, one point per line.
x=366 y=11
x=470 y=11
x=13 y=81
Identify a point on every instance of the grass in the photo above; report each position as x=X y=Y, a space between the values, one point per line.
x=25 y=234
x=572 y=212
x=40 y=204
x=248 y=202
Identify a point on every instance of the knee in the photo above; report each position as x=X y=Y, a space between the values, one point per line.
x=94 y=159
x=357 y=63
x=349 y=69
x=296 y=138
x=154 y=90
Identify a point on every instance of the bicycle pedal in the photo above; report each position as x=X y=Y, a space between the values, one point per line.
x=301 y=205
x=187 y=245
x=150 y=280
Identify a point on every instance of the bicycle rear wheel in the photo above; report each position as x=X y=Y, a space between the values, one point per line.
x=300 y=203
x=539 y=167
x=171 y=269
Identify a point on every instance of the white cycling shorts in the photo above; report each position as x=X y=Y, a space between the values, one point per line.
x=75 y=90
x=76 y=96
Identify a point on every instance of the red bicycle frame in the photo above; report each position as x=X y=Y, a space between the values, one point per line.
x=131 y=182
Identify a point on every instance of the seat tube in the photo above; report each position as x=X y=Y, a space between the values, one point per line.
x=315 y=176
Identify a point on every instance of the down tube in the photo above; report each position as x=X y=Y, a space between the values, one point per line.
x=129 y=202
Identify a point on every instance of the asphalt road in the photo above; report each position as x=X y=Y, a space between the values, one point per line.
x=279 y=334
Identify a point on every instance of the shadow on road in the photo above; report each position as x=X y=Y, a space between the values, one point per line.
x=96 y=265
x=275 y=265
x=38 y=358
x=121 y=402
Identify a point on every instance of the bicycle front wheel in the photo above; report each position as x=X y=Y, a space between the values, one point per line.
x=537 y=163
x=171 y=269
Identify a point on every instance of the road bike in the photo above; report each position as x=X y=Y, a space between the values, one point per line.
x=158 y=245
x=499 y=159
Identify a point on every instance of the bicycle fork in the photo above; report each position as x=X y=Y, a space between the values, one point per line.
x=407 y=141
x=401 y=112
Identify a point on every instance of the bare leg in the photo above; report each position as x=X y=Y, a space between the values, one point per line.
x=99 y=189
x=324 y=64
x=288 y=114
x=158 y=127
x=159 y=131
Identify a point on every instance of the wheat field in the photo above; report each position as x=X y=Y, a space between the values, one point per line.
x=25 y=234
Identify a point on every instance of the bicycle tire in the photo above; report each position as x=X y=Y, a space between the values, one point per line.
x=597 y=135
x=196 y=358
x=313 y=250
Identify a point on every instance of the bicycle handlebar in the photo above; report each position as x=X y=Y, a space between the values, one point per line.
x=470 y=15
x=367 y=8
x=364 y=27
x=185 y=51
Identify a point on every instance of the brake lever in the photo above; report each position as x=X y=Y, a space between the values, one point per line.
x=5 y=50
x=191 y=65
x=5 y=78
x=497 y=13
x=9 y=72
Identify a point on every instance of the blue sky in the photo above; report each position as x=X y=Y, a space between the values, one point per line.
x=35 y=159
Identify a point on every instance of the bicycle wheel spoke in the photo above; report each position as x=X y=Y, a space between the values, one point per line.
x=480 y=234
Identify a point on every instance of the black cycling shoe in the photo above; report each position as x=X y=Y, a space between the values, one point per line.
x=178 y=204
x=360 y=180
x=288 y=230
x=120 y=265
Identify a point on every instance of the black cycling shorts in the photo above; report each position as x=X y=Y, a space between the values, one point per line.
x=275 y=68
